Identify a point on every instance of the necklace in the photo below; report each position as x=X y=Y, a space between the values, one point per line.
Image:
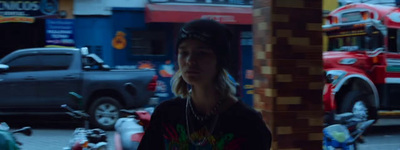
x=201 y=142
x=202 y=117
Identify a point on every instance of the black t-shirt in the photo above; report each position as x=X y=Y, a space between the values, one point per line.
x=239 y=127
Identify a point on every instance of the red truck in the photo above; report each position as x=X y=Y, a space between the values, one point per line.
x=362 y=64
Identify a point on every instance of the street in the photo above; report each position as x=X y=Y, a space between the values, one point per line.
x=48 y=133
x=378 y=138
x=385 y=135
x=53 y=139
x=382 y=138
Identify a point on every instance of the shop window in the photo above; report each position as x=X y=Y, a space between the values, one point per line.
x=148 y=43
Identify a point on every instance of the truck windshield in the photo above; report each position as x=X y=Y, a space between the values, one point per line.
x=354 y=43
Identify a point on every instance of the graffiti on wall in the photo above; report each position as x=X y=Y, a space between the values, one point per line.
x=145 y=65
x=249 y=74
x=119 y=41
x=249 y=89
x=165 y=72
x=167 y=69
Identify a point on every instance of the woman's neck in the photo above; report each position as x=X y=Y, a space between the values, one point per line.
x=205 y=98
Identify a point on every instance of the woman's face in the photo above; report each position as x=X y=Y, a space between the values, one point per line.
x=197 y=62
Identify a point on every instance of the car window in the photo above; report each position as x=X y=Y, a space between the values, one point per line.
x=24 y=63
x=55 y=61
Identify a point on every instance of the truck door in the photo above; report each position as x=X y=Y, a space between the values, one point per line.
x=18 y=85
x=392 y=80
x=56 y=80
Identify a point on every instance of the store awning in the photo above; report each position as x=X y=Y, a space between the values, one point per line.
x=185 y=13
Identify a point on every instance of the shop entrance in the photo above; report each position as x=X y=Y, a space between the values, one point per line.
x=21 y=35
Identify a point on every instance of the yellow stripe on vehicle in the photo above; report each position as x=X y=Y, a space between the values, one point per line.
x=389 y=113
x=345 y=35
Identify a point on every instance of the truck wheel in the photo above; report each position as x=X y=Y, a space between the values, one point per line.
x=104 y=112
x=357 y=103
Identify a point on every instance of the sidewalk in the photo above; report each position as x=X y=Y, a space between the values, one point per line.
x=384 y=135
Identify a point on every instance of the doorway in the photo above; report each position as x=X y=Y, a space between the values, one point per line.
x=21 y=35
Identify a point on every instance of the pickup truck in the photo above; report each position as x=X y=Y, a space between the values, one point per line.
x=37 y=81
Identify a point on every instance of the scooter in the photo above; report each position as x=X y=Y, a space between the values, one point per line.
x=345 y=132
x=130 y=129
x=7 y=139
x=84 y=138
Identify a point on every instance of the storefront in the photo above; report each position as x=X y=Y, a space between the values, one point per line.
x=144 y=37
x=23 y=23
x=147 y=41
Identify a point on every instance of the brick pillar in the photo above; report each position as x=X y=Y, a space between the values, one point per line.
x=288 y=71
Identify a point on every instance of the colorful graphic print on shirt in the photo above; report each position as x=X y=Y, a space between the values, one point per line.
x=176 y=139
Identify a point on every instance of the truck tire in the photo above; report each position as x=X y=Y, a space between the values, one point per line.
x=357 y=103
x=104 y=112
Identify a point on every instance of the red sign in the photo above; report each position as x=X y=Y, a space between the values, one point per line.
x=221 y=18
x=185 y=13
x=17 y=19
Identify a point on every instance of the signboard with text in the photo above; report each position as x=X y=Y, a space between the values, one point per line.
x=185 y=13
x=60 y=32
x=26 y=10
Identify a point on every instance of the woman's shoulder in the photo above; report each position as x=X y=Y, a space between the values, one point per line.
x=249 y=118
x=170 y=109
x=240 y=109
x=171 y=104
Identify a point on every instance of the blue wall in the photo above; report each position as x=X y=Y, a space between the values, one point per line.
x=126 y=20
x=100 y=31
x=133 y=19
x=95 y=31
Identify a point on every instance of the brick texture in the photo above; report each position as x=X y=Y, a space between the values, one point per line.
x=288 y=77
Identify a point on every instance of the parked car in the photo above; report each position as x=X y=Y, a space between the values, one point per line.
x=37 y=81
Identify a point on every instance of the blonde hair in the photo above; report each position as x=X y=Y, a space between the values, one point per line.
x=224 y=85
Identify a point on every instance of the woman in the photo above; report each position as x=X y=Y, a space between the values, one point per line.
x=206 y=114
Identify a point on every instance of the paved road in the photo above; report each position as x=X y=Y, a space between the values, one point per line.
x=384 y=135
x=49 y=133
x=54 y=136
x=388 y=138
x=377 y=138
x=52 y=139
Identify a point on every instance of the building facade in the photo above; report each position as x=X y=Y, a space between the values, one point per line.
x=33 y=23
x=141 y=34
x=129 y=34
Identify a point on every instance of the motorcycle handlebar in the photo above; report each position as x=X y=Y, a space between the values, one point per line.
x=25 y=130
x=130 y=112
x=149 y=110
x=360 y=129
x=74 y=113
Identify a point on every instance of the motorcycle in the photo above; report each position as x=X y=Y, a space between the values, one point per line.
x=345 y=132
x=7 y=139
x=130 y=129
x=84 y=138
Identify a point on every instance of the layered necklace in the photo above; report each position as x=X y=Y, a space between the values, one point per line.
x=189 y=107
x=203 y=117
